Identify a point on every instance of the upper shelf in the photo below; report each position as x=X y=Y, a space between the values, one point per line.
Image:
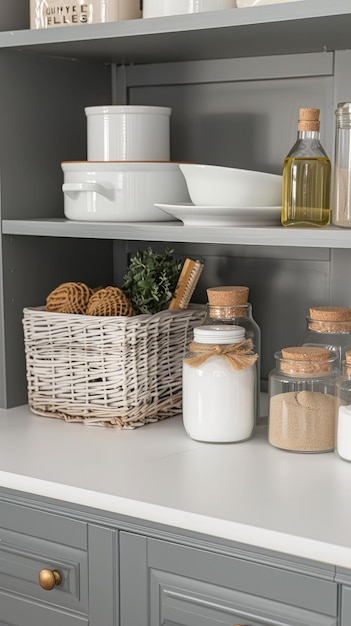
x=296 y=27
x=331 y=237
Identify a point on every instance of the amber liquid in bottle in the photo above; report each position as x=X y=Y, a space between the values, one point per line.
x=306 y=177
x=306 y=191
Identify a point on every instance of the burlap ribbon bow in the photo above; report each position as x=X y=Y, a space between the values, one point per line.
x=238 y=355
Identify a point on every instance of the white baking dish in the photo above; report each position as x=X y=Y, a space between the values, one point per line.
x=157 y=8
x=128 y=133
x=121 y=191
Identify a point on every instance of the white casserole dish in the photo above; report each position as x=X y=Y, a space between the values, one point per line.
x=157 y=8
x=128 y=133
x=121 y=191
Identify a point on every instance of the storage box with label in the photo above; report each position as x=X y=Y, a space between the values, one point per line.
x=53 y=13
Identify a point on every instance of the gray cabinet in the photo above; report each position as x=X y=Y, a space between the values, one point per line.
x=37 y=542
x=185 y=586
x=116 y=573
x=229 y=77
x=234 y=80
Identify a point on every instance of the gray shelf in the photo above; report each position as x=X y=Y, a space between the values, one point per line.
x=296 y=27
x=331 y=237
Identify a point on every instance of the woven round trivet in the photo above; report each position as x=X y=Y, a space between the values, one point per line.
x=109 y=301
x=69 y=298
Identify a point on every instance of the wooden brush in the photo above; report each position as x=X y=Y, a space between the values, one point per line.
x=186 y=284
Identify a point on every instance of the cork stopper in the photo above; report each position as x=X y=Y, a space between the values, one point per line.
x=348 y=357
x=226 y=296
x=309 y=119
x=228 y=302
x=330 y=319
x=306 y=360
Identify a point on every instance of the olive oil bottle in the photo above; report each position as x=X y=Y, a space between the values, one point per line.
x=306 y=177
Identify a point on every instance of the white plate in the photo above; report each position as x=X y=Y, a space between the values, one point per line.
x=192 y=215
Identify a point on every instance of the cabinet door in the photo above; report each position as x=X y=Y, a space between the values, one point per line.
x=164 y=584
x=31 y=541
x=345 y=606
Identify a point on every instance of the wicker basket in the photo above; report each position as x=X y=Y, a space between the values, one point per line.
x=111 y=371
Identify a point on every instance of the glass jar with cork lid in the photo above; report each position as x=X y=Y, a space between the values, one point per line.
x=230 y=305
x=343 y=411
x=330 y=328
x=219 y=385
x=302 y=399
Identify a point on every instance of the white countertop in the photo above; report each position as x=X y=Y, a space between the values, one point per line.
x=298 y=504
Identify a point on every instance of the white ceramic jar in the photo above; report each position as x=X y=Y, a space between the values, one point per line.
x=219 y=385
x=157 y=8
x=121 y=192
x=128 y=133
x=53 y=13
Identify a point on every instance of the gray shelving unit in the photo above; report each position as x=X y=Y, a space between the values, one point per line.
x=235 y=80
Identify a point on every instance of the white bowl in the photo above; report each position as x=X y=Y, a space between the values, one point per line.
x=128 y=133
x=157 y=8
x=225 y=186
x=120 y=191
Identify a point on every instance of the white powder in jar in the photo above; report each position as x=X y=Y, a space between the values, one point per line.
x=343 y=433
x=218 y=401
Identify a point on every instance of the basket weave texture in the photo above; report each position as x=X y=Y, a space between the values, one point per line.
x=107 y=371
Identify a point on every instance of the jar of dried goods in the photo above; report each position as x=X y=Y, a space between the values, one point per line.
x=330 y=328
x=229 y=305
x=219 y=385
x=343 y=411
x=302 y=399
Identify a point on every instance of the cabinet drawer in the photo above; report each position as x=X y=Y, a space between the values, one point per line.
x=31 y=541
x=192 y=587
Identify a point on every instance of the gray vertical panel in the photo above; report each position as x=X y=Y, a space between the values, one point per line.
x=134 y=588
x=42 y=122
x=14 y=14
x=345 y=606
x=32 y=267
x=240 y=124
x=103 y=576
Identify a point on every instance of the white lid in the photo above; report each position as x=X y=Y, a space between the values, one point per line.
x=127 y=108
x=226 y=333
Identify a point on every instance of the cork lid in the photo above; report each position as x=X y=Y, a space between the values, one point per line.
x=228 y=302
x=330 y=319
x=348 y=357
x=309 y=119
x=330 y=313
x=227 y=296
x=306 y=360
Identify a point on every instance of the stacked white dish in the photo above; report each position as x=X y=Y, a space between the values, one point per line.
x=158 y=8
x=128 y=168
x=225 y=196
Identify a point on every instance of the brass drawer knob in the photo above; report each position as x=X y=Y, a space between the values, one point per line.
x=49 y=579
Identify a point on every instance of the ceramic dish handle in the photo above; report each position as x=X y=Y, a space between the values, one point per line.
x=72 y=189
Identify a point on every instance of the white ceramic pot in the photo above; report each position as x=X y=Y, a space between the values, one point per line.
x=121 y=192
x=128 y=133
x=157 y=8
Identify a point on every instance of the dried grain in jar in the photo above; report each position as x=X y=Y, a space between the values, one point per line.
x=302 y=399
